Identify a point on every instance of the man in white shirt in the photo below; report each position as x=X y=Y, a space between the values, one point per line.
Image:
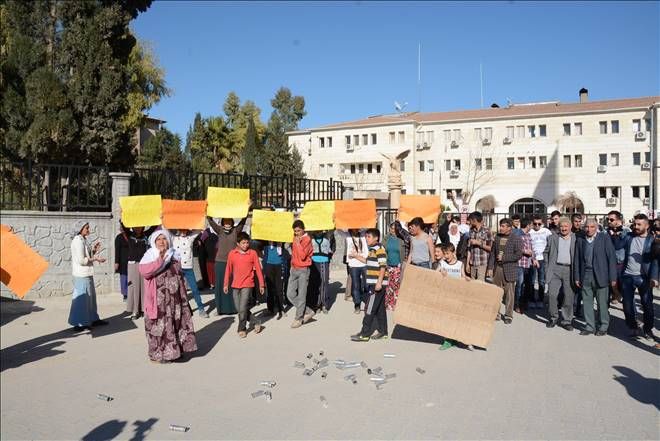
x=539 y=237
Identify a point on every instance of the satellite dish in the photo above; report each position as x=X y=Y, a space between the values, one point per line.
x=399 y=107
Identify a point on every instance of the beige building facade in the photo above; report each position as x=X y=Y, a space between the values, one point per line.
x=588 y=156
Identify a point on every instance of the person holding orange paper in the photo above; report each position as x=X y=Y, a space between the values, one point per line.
x=83 y=313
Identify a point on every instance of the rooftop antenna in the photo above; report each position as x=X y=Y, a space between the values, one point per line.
x=508 y=102
x=399 y=107
x=419 y=77
x=481 y=79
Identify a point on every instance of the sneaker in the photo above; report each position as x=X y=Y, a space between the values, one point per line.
x=446 y=345
x=124 y=299
x=470 y=348
x=296 y=324
x=356 y=310
x=359 y=337
x=601 y=333
x=279 y=315
x=203 y=313
x=507 y=320
x=378 y=336
x=258 y=328
x=308 y=317
x=324 y=310
x=242 y=334
x=135 y=317
x=648 y=335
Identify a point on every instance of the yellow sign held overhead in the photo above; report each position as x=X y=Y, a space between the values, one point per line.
x=228 y=202
x=272 y=225
x=318 y=215
x=141 y=211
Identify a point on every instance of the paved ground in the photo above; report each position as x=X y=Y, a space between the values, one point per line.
x=532 y=383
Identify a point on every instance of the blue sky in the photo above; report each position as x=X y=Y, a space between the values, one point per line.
x=354 y=59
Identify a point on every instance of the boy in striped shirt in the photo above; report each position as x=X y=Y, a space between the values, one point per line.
x=376 y=262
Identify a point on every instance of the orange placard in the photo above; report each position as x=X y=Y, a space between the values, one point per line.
x=190 y=215
x=20 y=265
x=355 y=214
x=415 y=205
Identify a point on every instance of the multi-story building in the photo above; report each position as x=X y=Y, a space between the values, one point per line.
x=589 y=156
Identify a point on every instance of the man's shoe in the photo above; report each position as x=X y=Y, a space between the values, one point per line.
x=356 y=310
x=296 y=324
x=601 y=333
x=242 y=334
x=203 y=313
x=648 y=335
x=446 y=345
x=324 y=310
x=78 y=328
x=308 y=317
x=359 y=337
x=507 y=320
x=99 y=323
x=586 y=332
x=257 y=328
x=518 y=309
x=378 y=336
x=279 y=315
x=551 y=324
x=567 y=326
x=135 y=317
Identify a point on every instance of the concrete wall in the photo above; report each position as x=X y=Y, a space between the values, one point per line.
x=50 y=235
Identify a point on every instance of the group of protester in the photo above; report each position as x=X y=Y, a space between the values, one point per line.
x=534 y=264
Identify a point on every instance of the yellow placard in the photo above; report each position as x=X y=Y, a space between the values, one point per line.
x=318 y=215
x=228 y=202
x=272 y=225
x=141 y=211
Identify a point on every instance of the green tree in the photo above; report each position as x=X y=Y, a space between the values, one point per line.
x=252 y=151
x=163 y=150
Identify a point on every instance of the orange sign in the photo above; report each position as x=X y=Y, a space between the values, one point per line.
x=355 y=214
x=414 y=205
x=189 y=215
x=20 y=265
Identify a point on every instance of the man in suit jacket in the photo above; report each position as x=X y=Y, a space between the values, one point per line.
x=595 y=272
x=559 y=256
x=503 y=264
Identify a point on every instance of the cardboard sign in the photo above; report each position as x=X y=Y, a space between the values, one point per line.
x=228 y=202
x=318 y=215
x=453 y=308
x=20 y=265
x=355 y=214
x=190 y=215
x=141 y=211
x=414 y=205
x=272 y=225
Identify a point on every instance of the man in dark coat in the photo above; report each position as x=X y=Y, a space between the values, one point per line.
x=503 y=264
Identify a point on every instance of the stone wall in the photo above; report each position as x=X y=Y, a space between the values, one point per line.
x=50 y=235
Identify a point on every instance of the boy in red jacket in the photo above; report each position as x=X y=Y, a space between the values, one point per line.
x=301 y=259
x=242 y=263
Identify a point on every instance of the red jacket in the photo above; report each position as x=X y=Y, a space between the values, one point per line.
x=301 y=252
x=241 y=268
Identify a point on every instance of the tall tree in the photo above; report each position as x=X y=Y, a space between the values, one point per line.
x=163 y=150
x=251 y=152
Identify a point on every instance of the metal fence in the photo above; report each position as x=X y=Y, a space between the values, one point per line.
x=54 y=187
x=265 y=191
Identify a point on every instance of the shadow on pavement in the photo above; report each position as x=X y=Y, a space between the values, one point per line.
x=645 y=390
x=108 y=430
x=142 y=428
x=46 y=346
x=404 y=333
x=619 y=329
x=209 y=335
x=11 y=309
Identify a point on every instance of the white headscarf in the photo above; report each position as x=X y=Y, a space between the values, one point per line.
x=153 y=254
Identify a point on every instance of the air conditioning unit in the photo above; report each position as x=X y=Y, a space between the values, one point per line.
x=611 y=202
x=506 y=140
x=645 y=202
x=646 y=166
x=453 y=174
x=640 y=136
x=349 y=147
x=427 y=145
x=420 y=147
x=602 y=168
x=454 y=144
x=485 y=141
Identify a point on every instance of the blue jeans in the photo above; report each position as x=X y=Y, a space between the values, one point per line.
x=189 y=274
x=422 y=264
x=524 y=286
x=539 y=273
x=358 y=283
x=123 y=283
x=643 y=285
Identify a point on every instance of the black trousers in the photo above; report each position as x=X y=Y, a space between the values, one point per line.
x=275 y=288
x=374 y=310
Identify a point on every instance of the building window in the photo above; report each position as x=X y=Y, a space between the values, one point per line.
x=373 y=139
x=402 y=166
x=431 y=166
x=331 y=169
x=543 y=161
x=603 y=127
x=614 y=159
x=477 y=163
x=636 y=125
x=329 y=141
x=602 y=159
x=509 y=132
x=356 y=140
x=532 y=131
x=567 y=130
x=647 y=156
x=361 y=169
x=542 y=131
x=578 y=161
x=348 y=140
x=477 y=134
x=447 y=136
x=521 y=162
x=567 y=161
x=322 y=169
x=447 y=165
x=457 y=164
x=321 y=142
x=647 y=123
x=635 y=192
x=402 y=137
x=429 y=136
x=421 y=166
x=614 y=191
x=615 y=126
x=432 y=191
x=578 y=129
x=392 y=138
x=646 y=191
x=352 y=169
x=489 y=163
x=365 y=139
x=370 y=168
x=521 y=131
x=637 y=158
x=510 y=163
x=602 y=192
x=532 y=161
x=378 y=168
x=457 y=135
x=489 y=132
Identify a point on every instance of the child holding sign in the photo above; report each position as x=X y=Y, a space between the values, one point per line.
x=301 y=260
x=242 y=263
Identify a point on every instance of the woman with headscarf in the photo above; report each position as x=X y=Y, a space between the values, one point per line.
x=83 y=313
x=168 y=318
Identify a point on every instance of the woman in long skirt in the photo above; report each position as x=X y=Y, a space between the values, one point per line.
x=83 y=313
x=394 y=247
x=168 y=317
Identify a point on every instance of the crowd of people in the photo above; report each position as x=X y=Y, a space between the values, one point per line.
x=567 y=266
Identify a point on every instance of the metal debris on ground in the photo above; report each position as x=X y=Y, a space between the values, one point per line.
x=257 y=393
x=390 y=376
x=321 y=353
x=308 y=372
x=324 y=374
x=420 y=370
x=376 y=378
x=269 y=396
x=309 y=356
x=388 y=355
x=363 y=364
x=104 y=397
x=177 y=428
x=324 y=402
x=270 y=384
x=299 y=364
